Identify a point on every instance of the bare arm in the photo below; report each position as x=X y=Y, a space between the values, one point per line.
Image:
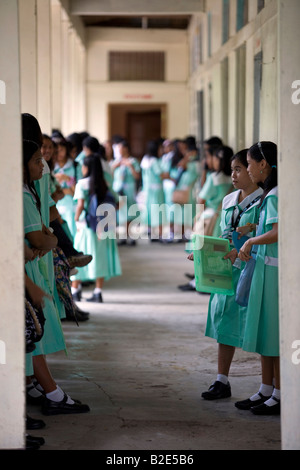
x=42 y=239
x=79 y=209
x=267 y=238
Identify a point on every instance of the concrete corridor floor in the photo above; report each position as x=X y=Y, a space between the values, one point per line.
x=141 y=363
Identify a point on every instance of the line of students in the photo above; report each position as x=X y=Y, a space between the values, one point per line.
x=41 y=284
x=252 y=211
x=80 y=169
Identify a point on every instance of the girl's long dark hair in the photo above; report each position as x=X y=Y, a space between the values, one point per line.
x=29 y=149
x=98 y=184
x=266 y=151
x=241 y=156
x=31 y=129
x=177 y=154
x=224 y=154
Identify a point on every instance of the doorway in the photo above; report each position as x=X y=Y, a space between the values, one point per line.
x=138 y=123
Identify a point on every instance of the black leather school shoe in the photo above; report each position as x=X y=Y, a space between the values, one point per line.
x=266 y=410
x=248 y=404
x=51 y=407
x=95 y=298
x=217 y=391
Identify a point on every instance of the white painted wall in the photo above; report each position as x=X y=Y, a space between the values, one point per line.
x=259 y=34
x=52 y=65
x=101 y=92
x=289 y=257
x=12 y=347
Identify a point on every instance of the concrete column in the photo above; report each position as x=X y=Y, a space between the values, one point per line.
x=44 y=83
x=289 y=255
x=12 y=403
x=56 y=68
x=28 y=55
x=66 y=76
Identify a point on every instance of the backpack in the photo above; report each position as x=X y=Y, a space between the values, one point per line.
x=92 y=219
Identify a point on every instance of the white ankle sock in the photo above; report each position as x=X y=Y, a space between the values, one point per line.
x=97 y=290
x=58 y=395
x=222 y=378
x=74 y=290
x=32 y=391
x=271 y=401
x=265 y=390
x=38 y=386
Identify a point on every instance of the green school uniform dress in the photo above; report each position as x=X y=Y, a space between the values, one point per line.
x=106 y=262
x=215 y=188
x=66 y=206
x=226 y=319
x=43 y=187
x=187 y=181
x=53 y=339
x=125 y=184
x=153 y=192
x=168 y=185
x=262 y=320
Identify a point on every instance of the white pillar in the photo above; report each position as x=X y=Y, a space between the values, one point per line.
x=44 y=111
x=289 y=183
x=56 y=62
x=28 y=55
x=12 y=403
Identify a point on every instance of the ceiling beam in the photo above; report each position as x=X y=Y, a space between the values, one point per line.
x=135 y=7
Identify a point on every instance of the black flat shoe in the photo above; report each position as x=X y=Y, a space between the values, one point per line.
x=217 y=391
x=34 y=400
x=77 y=315
x=31 y=445
x=248 y=404
x=186 y=288
x=32 y=439
x=265 y=410
x=32 y=424
x=77 y=296
x=190 y=276
x=50 y=407
x=95 y=298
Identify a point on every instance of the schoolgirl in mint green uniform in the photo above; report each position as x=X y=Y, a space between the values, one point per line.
x=53 y=339
x=126 y=173
x=261 y=333
x=65 y=173
x=225 y=320
x=152 y=177
x=105 y=263
x=217 y=185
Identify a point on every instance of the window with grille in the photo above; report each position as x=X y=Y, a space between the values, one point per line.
x=131 y=65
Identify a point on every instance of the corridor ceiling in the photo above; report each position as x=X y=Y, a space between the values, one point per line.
x=161 y=14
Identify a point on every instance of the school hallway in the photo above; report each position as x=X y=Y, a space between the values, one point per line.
x=141 y=363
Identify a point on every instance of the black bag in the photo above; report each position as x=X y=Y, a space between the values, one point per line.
x=34 y=325
x=92 y=219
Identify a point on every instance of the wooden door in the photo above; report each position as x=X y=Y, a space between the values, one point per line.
x=142 y=127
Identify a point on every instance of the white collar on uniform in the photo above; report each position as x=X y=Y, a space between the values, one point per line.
x=46 y=168
x=273 y=192
x=27 y=190
x=232 y=200
x=85 y=182
x=147 y=161
x=68 y=164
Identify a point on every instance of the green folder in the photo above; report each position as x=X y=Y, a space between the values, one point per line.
x=213 y=274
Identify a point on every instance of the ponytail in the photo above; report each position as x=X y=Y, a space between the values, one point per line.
x=266 y=151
